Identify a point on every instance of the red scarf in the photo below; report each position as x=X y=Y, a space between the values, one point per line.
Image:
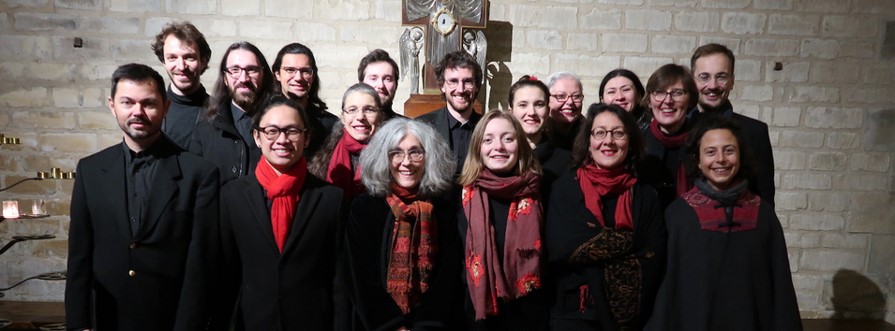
x=520 y=273
x=339 y=172
x=284 y=191
x=674 y=141
x=596 y=183
x=414 y=246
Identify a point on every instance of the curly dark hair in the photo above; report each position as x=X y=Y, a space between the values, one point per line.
x=188 y=34
x=716 y=122
x=581 y=147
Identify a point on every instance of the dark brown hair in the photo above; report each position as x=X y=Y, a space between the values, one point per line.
x=187 y=33
x=666 y=76
x=709 y=49
x=581 y=147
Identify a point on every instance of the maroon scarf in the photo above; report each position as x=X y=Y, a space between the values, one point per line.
x=284 y=191
x=520 y=273
x=339 y=172
x=673 y=141
x=414 y=246
x=712 y=216
x=596 y=183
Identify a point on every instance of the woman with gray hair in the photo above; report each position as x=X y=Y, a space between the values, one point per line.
x=402 y=242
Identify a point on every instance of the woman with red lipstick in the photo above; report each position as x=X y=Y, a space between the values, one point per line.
x=605 y=235
x=500 y=221
x=402 y=246
x=336 y=161
x=727 y=267
x=671 y=93
x=623 y=88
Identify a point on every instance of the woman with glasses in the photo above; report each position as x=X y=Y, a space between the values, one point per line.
x=501 y=223
x=727 y=267
x=337 y=160
x=566 y=99
x=279 y=232
x=623 y=88
x=671 y=94
x=605 y=235
x=402 y=245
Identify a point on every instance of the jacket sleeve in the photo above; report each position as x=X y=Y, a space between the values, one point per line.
x=764 y=163
x=79 y=278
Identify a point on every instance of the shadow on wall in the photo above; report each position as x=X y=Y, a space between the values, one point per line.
x=856 y=297
x=497 y=73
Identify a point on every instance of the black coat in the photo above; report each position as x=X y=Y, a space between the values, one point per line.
x=289 y=291
x=218 y=141
x=159 y=279
x=580 y=251
x=368 y=245
x=555 y=162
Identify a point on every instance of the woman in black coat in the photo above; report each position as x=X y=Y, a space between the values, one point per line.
x=402 y=246
x=605 y=235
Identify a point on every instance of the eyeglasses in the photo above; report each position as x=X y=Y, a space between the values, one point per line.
x=273 y=132
x=369 y=110
x=251 y=71
x=305 y=72
x=705 y=78
x=576 y=97
x=676 y=95
x=414 y=155
x=467 y=83
x=601 y=134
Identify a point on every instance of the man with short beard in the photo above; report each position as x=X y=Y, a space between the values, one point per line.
x=713 y=71
x=183 y=51
x=460 y=77
x=380 y=71
x=224 y=136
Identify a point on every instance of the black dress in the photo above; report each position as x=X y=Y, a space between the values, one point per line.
x=368 y=242
x=720 y=280
x=582 y=253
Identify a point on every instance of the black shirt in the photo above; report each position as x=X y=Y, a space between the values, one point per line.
x=140 y=168
x=183 y=115
x=243 y=123
x=461 y=134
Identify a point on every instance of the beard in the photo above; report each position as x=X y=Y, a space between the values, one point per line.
x=244 y=100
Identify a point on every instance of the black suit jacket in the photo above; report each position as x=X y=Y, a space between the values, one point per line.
x=438 y=119
x=158 y=279
x=217 y=140
x=289 y=291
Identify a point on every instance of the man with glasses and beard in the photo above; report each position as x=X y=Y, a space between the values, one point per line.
x=224 y=136
x=713 y=66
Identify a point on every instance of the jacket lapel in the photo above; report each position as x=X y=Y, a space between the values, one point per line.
x=442 y=126
x=310 y=197
x=113 y=167
x=257 y=204
x=164 y=189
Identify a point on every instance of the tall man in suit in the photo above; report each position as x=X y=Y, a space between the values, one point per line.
x=713 y=66
x=460 y=77
x=144 y=222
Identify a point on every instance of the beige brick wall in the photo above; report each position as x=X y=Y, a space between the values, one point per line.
x=831 y=109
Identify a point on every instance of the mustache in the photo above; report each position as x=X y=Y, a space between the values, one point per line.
x=139 y=120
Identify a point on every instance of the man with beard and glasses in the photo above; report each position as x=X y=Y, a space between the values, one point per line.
x=380 y=71
x=713 y=71
x=295 y=70
x=224 y=136
x=183 y=51
x=144 y=220
x=460 y=77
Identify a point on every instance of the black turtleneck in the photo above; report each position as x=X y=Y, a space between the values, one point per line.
x=183 y=115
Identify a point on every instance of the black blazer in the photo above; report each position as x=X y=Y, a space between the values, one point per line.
x=369 y=231
x=158 y=279
x=218 y=141
x=438 y=119
x=289 y=291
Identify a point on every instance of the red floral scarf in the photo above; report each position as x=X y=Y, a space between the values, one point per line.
x=675 y=140
x=596 y=183
x=520 y=273
x=414 y=246
x=284 y=191
x=339 y=172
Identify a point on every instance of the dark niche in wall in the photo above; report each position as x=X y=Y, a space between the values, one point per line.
x=888 y=50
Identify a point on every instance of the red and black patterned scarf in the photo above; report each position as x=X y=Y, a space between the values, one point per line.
x=284 y=192
x=339 y=172
x=520 y=273
x=596 y=183
x=414 y=246
x=674 y=141
x=710 y=204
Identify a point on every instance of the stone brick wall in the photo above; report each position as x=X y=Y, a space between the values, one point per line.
x=831 y=108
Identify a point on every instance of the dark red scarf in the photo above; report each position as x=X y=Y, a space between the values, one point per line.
x=339 y=172
x=674 y=140
x=284 y=191
x=414 y=246
x=596 y=183
x=708 y=204
x=520 y=273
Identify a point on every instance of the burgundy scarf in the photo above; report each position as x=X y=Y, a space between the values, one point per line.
x=339 y=172
x=596 y=183
x=520 y=273
x=284 y=191
x=414 y=246
x=673 y=141
x=711 y=212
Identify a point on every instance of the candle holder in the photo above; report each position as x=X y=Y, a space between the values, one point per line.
x=10 y=209
x=4 y=140
x=18 y=239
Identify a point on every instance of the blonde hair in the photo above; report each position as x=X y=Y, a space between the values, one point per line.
x=472 y=168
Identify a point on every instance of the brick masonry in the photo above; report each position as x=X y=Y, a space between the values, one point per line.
x=831 y=109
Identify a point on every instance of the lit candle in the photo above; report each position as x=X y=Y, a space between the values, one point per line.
x=38 y=207
x=10 y=209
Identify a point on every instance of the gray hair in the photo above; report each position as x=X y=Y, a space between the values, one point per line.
x=375 y=162
x=564 y=75
x=362 y=88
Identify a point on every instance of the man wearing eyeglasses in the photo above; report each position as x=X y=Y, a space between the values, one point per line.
x=297 y=78
x=460 y=77
x=224 y=136
x=713 y=71
x=183 y=51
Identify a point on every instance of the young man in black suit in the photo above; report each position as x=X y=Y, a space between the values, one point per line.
x=144 y=222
